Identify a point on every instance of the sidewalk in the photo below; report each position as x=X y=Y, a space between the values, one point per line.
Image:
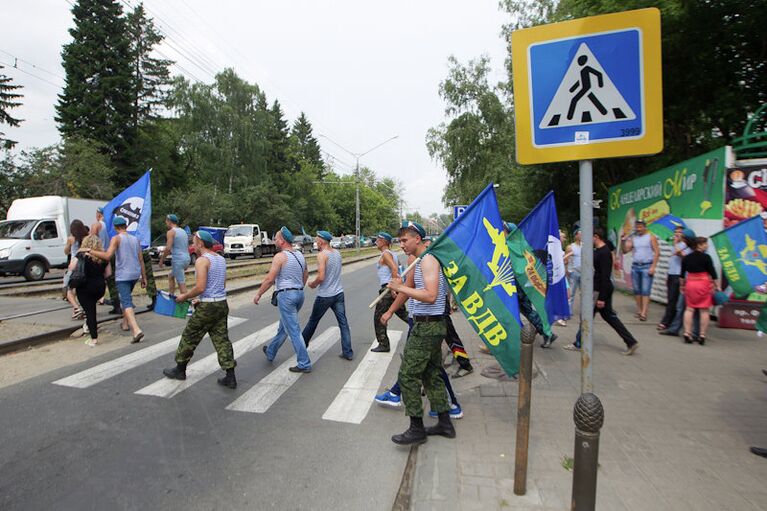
x=679 y=420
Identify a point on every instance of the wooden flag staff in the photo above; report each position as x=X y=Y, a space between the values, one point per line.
x=387 y=290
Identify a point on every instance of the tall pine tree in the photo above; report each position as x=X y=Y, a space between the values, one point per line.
x=97 y=101
x=277 y=133
x=307 y=147
x=151 y=76
x=8 y=101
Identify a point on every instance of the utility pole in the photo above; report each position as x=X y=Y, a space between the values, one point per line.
x=357 y=157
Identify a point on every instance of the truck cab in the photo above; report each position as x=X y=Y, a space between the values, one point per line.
x=247 y=239
x=30 y=247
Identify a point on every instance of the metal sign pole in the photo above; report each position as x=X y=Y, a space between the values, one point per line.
x=587 y=273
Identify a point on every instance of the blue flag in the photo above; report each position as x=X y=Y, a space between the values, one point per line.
x=541 y=230
x=135 y=205
x=664 y=227
x=742 y=250
x=476 y=261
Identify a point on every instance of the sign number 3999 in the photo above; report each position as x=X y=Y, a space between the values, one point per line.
x=631 y=132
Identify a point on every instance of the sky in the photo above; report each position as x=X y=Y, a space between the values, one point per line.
x=362 y=71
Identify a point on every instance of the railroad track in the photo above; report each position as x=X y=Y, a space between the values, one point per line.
x=66 y=331
x=53 y=285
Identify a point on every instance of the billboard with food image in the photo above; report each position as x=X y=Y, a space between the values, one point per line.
x=690 y=193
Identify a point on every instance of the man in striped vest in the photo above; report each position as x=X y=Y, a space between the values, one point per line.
x=330 y=294
x=386 y=269
x=422 y=358
x=210 y=314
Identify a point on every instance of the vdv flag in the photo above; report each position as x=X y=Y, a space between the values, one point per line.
x=476 y=261
x=664 y=227
x=541 y=230
x=530 y=274
x=135 y=205
x=742 y=250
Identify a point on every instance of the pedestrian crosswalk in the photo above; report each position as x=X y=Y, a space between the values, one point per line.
x=350 y=405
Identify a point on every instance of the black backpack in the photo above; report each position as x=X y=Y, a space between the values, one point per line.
x=77 y=277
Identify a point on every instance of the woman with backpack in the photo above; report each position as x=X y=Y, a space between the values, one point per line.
x=89 y=282
x=77 y=232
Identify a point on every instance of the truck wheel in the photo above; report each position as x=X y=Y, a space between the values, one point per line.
x=257 y=253
x=232 y=256
x=34 y=270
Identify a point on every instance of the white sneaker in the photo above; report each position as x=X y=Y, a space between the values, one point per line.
x=571 y=347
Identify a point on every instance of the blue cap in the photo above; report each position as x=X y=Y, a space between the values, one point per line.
x=119 y=220
x=173 y=218
x=720 y=298
x=100 y=210
x=510 y=226
x=415 y=226
x=325 y=235
x=205 y=237
x=286 y=234
x=384 y=235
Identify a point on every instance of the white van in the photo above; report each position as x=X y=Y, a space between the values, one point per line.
x=33 y=236
x=247 y=239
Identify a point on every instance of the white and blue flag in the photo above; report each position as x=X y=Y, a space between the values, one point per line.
x=541 y=229
x=135 y=205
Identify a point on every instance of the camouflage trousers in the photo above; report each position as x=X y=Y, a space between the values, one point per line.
x=421 y=365
x=151 y=286
x=208 y=318
x=112 y=286
x=381 y=307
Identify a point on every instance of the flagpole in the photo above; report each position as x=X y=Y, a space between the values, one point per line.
x=587 y=273
x=387 y=290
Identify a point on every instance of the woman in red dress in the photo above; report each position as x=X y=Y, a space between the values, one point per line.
x=698 y=283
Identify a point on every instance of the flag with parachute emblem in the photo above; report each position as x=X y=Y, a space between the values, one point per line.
x=742 y=250
x=135 y=205
x=476 y=262
x=530 y=273
x=541 y=230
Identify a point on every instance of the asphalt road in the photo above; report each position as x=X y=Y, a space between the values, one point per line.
x=104 y=446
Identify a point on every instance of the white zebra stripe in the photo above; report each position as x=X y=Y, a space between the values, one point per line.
x=355 y=398
x=260 y=397
x=206 y=366
x=102 y=372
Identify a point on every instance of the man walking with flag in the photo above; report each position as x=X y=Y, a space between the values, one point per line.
x=421 y=361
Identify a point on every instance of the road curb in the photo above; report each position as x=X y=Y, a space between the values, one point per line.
x=402 y=501
x=62 y=333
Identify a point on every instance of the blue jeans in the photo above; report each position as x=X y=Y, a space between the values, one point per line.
x=641 y=280
x=575 y=285
x=676 y=324
x=289 y=303
x=177 y=269
x=321 y=306
x=124 y=291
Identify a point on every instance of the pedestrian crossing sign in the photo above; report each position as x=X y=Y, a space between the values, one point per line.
x=588 y=88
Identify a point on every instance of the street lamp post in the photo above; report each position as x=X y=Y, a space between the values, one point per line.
x=357 y=157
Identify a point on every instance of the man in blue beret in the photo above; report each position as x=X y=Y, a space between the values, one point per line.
x=176 y=244
x=210 y=314
x=99 y=228
x=288 y=274
x=386 y=269
x=330 y=294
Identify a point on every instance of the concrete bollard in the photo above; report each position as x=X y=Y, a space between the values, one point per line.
x=588 y=416
x=523 y=409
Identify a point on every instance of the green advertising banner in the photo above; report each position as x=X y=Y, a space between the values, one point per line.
x=692 y=189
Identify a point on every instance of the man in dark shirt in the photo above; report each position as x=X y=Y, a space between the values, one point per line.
x=603 y=262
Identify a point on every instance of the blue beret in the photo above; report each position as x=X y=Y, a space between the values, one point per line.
x=384 y=235
x=510 y=226
x=119 y=220
x=325 y=235
x=173 y=218
x=100 y=210
x=205 y=236
x=416 y=227
x=688 y=233
x=286 y=234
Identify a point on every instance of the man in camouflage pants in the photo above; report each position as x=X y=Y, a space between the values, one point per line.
x=387 y=269
x=210 y=314
x=151 y=285
x=422 y=358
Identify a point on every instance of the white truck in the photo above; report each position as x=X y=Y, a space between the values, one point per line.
x=247 y=239
x=33 y=236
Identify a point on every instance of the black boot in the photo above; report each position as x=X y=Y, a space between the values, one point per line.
x=415 y=434
x=151 y=305
x=443 y=427
x=116 y=310
x=176 y=373
x=229 y=380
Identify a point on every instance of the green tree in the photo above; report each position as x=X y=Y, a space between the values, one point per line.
x=151 y=76
x=97 y=100
x=8 y=98
x=307 y=148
